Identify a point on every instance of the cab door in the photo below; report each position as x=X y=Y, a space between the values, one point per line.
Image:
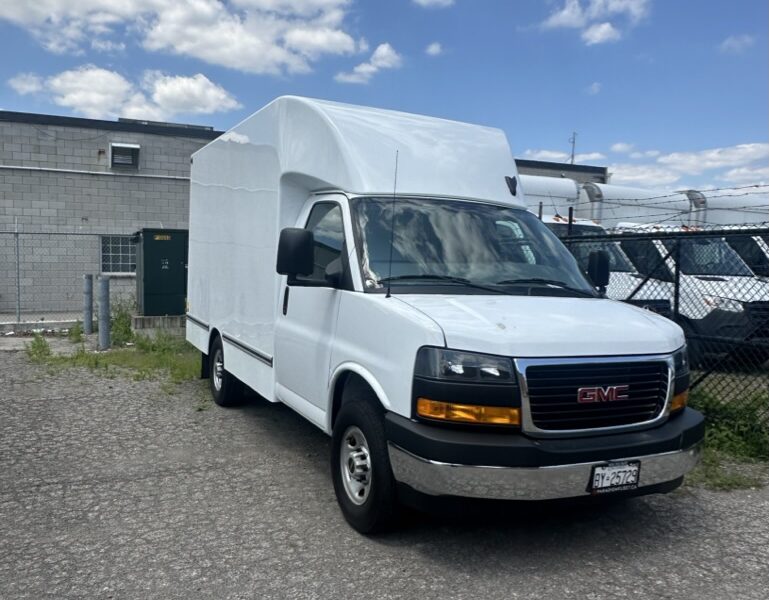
x=307 y=316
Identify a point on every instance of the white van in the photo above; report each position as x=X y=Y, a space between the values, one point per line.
x=721 y=301
x=624 y=278
x=430 y=324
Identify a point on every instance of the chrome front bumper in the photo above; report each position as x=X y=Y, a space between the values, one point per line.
x=516 y=483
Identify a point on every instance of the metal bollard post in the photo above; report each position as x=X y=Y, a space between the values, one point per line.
x=104 y=313
x=88 y=304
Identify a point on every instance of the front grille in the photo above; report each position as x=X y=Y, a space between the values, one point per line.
x=758 y=312
x=553 y=394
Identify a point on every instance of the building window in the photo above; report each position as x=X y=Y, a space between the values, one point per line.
x=124 y=156
x=118 y=254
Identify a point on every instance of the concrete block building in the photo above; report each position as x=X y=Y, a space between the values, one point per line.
x=73 y=192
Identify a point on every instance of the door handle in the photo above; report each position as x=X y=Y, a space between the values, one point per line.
x=285 y=300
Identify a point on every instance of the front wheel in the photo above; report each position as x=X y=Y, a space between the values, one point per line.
x=360 y=468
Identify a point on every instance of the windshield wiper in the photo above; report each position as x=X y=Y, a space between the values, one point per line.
x=446 y=278
x=553 y=282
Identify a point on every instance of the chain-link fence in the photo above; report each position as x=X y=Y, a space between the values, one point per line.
x=41 y=275
x=714 y=284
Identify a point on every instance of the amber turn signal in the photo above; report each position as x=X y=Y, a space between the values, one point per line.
x=679 y=401
x=468 y=413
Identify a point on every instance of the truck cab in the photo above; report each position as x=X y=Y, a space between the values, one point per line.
x=378 y=272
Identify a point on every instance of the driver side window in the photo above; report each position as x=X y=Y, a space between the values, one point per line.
x=325 y=222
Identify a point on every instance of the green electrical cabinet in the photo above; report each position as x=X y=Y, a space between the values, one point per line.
x=161 y=271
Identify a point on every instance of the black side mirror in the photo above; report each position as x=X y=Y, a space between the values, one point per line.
x=598 y=268
x=295 y=252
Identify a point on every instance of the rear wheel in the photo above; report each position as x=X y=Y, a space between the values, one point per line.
x=360 y=467
x=226 y=389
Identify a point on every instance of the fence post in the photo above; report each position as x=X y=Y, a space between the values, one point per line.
x=88 y=304
x=677 y=279
x=104 y=313
x=18 y=273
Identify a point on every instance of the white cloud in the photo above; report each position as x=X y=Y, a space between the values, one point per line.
x=434 y=3
x=736 y=44
x=600 y=33
x=715 y=158
x=384 y=57
x=434 y=49
x=747 y=175
x=26 y=83
x=99 y=93
x=177 y=94
x=598 y=19
x=232 y=136
x=94 y=92
x=645 y=154
x=571 y=15
x=594 y=88
x=550 y=155
x=254 y=36
x=559 y=156
x=633 y=10
x=739 y=164
x=313 y=42
x=621 y=147
x=102 y=45
x=588 y=157
x=650 y=176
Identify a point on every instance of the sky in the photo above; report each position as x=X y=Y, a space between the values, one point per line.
x=666 y=93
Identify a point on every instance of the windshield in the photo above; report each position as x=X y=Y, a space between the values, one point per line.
x=483 y=244
x=581 y=251
x=709 y=256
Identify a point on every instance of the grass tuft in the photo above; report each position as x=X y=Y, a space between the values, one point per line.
x=120 y=321
x=75 y=334
x=736 y=438
x=38 y=350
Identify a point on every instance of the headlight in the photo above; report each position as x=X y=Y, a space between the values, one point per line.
x=455 y=365
x=727 y=304
x=681 y=361
x=680 y=380
x=452 y=386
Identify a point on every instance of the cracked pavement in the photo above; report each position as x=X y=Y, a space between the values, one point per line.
x=111 y=488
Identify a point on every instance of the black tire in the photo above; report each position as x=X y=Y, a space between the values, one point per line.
x=226 y=389
x=376 y=510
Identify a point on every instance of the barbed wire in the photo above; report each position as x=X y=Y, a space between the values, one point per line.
x=670 y=197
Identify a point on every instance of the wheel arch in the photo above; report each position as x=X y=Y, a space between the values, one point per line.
x=348 y=374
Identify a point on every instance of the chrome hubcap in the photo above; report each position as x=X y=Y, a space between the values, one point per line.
x=218 y=370
x=355 y=464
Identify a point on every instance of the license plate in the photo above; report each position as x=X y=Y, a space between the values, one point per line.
x=614 y=477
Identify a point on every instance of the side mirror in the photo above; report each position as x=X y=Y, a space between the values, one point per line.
x=296 y=252
x=598 y=268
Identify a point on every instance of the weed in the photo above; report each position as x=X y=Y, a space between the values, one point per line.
x=120 y=321
x=38 y=349
x=739 y=429
x=717 y=472
x=75 y=333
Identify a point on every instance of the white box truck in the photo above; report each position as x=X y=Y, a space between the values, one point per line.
x=435 y=329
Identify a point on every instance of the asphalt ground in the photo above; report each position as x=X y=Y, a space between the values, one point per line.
x=112 y=488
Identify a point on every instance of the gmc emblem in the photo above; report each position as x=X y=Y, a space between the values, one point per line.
x=588 y=395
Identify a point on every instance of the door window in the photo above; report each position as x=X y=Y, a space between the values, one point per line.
x=325 y=222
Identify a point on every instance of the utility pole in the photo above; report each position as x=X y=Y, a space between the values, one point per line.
x=573 y=141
